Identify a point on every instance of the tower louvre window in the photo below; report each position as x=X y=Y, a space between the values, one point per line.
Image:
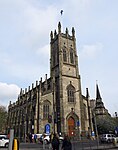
x=64 y=55
x=53 y=59
x=46 y=111
x=71 y=56
x=71 y=93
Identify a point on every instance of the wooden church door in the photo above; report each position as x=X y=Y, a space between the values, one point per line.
x=71 y=126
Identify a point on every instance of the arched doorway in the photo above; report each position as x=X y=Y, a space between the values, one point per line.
x=71 y=126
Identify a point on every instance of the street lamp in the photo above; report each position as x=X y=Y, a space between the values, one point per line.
x=96 y=130
x=53 y=113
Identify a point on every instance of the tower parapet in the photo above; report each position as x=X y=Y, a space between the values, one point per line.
x=53 y=36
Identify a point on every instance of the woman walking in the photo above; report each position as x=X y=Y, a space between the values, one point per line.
x=55 y=142
x=66 y=143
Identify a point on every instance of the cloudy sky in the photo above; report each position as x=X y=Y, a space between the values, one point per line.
x=25 y=27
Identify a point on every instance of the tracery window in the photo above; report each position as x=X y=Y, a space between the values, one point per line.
x=71 y=93
x=71 y=56
x=64 y=55
x=53 y=58
x=85 y=111
x=46 y=110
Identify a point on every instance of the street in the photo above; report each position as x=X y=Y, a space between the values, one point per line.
x=76 y=145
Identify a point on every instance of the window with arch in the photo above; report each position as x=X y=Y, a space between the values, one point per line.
x=71 y=56
x=64 y=55
x=46 y=109
x=53 y=58
x=71 y=93
x=85 y=111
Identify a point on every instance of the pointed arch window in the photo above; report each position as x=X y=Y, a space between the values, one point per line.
x=71 y=93
x=64 y=55
x=53 y=59
x=46 y=110
x=85 y=111
x=71 y=56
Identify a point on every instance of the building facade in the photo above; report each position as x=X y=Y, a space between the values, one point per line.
x=55 y=104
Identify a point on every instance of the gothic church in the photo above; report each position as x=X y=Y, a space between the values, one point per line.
x=55 y=104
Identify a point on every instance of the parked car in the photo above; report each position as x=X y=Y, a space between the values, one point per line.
x=4 y=141
x=108 y=138
x=3 y=135
x=46 y=138
x=38 y=136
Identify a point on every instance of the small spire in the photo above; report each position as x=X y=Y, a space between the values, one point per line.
x=59 y=27
x=32 y=85
x=25 y=90
x=10 y=103
x=55 y=33
x=51 y=35
x=97 y=92
x=45 y=76
x=21 y=91
x=29 y=88
x=87 y=93
x=36 y=83
x=73 y=31
x=66 y=31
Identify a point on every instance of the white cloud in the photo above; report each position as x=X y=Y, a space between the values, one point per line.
x=8 y=92
x=44 y=50
x=91 y=51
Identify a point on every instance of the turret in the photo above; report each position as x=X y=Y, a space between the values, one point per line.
x=51 y=35
x=73 y=32
x=59 y=27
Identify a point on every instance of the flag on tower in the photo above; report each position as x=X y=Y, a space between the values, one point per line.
x=61 y=12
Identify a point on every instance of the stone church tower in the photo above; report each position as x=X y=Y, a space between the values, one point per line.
x=66 y=80
x=55 y=104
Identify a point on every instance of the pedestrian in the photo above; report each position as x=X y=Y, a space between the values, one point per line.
x=35 y=138
x=55 y=142
x=51 y=137
x=30 y=137
x=66 y=145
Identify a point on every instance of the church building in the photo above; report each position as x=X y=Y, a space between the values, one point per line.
x=55 y=104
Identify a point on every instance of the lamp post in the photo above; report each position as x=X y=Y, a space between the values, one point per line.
x=53 y=113
x=96 y=130
x=78 y=122
x=89 y=115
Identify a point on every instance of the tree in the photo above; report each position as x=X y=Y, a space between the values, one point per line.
x=3 y=119
x=105 y=124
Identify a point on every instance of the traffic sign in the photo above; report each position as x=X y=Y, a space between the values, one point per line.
x=78 y=123
x=47 y=128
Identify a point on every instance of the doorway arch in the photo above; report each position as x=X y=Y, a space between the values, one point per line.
x=71 y=126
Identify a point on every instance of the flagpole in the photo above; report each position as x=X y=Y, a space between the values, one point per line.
x=61 y=12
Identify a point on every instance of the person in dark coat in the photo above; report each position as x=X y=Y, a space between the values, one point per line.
x=35 y=138
x=67 y=145
x=30 y=137
x=55 y=142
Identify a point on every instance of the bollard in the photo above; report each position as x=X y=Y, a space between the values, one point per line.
x=15 y=144
x=11 y=139
x=114 y=142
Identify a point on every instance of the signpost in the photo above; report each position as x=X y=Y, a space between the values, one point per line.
x=47 y=128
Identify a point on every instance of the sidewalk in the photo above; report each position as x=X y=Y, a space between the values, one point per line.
x=33 y=146
x=100 y=147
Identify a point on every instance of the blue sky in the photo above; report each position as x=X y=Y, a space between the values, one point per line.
x=25 y=27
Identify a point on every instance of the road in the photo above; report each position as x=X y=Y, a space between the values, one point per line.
x=89 y=145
